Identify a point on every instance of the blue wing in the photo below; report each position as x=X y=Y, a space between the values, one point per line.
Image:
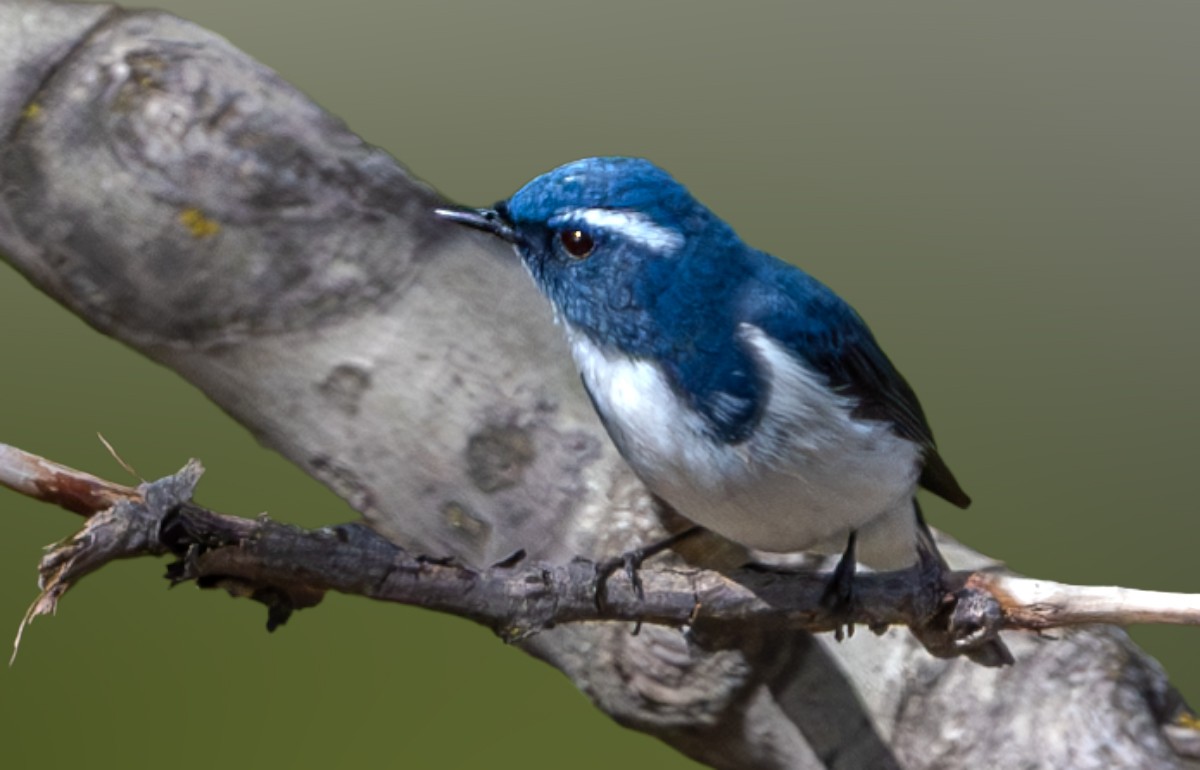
x=821 y=329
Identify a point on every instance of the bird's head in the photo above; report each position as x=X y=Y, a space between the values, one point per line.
x=605 y=239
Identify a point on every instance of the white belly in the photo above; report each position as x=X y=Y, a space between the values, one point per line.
x=808 y=475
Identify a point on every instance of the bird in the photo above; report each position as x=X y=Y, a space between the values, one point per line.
x=742 y=391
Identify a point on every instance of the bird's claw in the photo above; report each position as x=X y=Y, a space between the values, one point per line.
x=839 y=597
x=631 y=561
x=963 y=621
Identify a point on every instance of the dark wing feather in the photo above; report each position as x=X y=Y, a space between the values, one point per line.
x=864 y=372
x=819 y=327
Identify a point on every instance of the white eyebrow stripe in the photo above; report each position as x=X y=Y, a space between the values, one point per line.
x=630 y=225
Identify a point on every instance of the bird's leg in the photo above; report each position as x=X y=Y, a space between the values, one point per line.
x=953 y=629
x=631 y=561
x=839 y=593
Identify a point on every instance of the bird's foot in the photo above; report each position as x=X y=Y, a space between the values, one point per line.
x=839 y=595
x=631 y=561
x=966 y=621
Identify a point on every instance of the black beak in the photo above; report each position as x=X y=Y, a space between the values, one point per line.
x=491 y=221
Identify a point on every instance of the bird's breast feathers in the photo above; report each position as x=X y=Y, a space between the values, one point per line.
x=809 y=470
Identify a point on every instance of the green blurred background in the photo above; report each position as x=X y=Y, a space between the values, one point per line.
x=1006 y=191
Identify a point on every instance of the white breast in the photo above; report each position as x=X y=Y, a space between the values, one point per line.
x=809 y=474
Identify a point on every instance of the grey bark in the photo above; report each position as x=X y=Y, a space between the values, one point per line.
x=186 y=200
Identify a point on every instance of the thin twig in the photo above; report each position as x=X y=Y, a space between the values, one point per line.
x=51 y=482
x=290 y=568
x=1041 y=604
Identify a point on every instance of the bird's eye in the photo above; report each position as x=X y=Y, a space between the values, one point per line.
x=577 y=243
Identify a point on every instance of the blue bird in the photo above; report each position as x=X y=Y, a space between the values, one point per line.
x=742 y=391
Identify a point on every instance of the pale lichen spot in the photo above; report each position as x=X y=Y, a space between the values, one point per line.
x=462 y=519
x=32 y=111
x=198 y=224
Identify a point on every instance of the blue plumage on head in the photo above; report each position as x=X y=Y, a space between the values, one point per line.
x=619 y=183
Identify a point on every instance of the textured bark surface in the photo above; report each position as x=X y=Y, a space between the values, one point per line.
x=186 y=200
